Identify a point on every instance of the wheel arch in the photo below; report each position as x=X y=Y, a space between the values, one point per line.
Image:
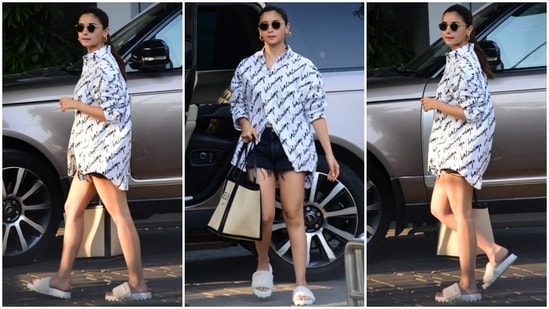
x=11 y=143
x=396 y=195
x=348 y=153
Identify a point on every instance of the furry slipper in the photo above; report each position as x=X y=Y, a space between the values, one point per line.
x=263 y=279
x=42 y=286
x=303 y=296
x=492 y=274
x=123 y=292
x=453 y=294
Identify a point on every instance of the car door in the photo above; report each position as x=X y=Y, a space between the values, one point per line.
x=520 y=97
x=221 y=36
x=157 y=103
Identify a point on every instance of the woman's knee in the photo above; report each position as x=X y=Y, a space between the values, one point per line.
x=74 y=210
x=267 y=218
x=436 y=212
x=293 y=216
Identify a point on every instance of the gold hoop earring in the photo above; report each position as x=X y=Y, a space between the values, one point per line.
x=261 y=38
x=468 y=38
x=105 y=40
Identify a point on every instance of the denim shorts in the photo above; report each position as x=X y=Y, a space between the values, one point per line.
x=269 y=154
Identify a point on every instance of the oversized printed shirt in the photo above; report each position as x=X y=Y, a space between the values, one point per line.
x=464 y=146
x=95 y=146
x=290 y=96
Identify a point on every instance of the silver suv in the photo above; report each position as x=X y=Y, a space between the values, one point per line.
x=35 y=134
x=217 y=38
x=514 y=37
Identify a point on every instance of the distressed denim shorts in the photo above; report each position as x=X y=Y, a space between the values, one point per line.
x=269 y=154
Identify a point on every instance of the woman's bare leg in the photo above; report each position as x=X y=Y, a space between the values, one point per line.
x=460 y=195
x=117 y=205
x=267 y=184
x=440 y=208
x=80 y=194
x=292 y=194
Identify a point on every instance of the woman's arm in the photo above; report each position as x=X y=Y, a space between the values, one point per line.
x=467 y=94
x=452 y=110
x=93 y=111
x=321 y=128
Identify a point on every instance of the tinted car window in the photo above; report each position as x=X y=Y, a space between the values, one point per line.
x=331 y=35
x=144 y=27
x=171 y=34
x=522 y=38
x=226 y=34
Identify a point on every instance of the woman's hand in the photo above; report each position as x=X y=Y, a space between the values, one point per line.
x=334 y=168
x=429 y=104
x=248 y=133
x=67 y=104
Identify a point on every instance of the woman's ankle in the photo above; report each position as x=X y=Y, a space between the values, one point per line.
x=263 y=264
x=499 y=255
x=61 y=283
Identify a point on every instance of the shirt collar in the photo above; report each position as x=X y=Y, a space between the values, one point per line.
x=97 y=54
x=462 y=51
x=287 y=53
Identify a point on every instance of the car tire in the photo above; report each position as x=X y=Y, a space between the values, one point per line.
x=329 y=226
x=31 y=207
x=379 y=208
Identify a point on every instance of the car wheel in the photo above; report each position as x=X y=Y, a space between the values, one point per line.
x=378 y=210
x=334 y=215
x=30 y=200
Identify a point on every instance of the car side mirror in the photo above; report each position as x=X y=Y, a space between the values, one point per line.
x=493 y=55
x=151 y=55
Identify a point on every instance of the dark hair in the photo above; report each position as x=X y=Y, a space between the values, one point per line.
x=277 y=9
x=104 y=19
x=467 y=16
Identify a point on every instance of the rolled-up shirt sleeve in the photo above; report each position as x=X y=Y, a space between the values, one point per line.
x=469 y=92
x=111 y=95
x=238 y=105
x=315 y=95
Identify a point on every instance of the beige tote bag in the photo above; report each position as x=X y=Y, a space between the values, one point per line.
x=238 y=214
x=447 y=238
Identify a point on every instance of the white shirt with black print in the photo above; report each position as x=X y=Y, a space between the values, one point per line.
x=95 y=146
x=290 y=96
x=463 y=146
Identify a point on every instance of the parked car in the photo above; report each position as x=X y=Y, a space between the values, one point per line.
x=399 y=186
x=217 y=38
x=35 y=134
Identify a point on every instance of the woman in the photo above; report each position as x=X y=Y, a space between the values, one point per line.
x=278 y=98
x=459 y=151
x=98 y=159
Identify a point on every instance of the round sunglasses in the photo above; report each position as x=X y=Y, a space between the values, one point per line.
x=91 y=27
x=265 y=25
x=453 y=26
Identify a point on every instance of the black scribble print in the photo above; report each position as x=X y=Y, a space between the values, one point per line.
x=464 y=146
x=290 y=96
x=95 y=146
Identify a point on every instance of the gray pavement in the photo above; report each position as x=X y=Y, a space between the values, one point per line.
x=161 y=244
x=409 y=273
x=222 y=277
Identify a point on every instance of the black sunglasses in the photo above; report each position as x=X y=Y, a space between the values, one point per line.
x=265 y=25
x=91 y=27
x=453 y=26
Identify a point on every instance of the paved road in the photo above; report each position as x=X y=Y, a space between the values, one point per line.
x=222 y=277
x=161 y=243
x=409 y=272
